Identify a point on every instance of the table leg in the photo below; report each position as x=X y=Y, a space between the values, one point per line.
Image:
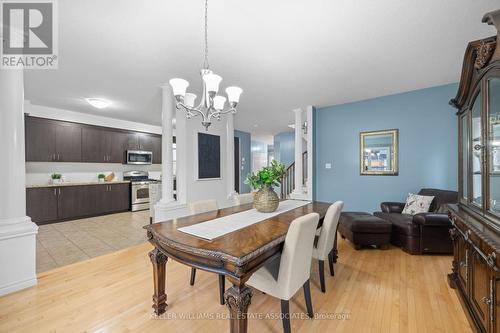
x=159 y=261
x=238 y=299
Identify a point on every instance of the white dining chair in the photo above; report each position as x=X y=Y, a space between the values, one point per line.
x=282 y=277
x=199 y=207
x=242 y=199
x=324 y=243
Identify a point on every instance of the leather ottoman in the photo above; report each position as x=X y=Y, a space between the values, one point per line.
x=364 y=229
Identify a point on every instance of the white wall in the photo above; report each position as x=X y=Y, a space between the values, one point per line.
x=205 y=189
x=39 y=172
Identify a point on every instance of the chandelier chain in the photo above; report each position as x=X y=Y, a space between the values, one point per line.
x=206 y=64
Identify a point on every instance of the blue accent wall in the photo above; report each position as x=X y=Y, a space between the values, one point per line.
x=284 y=147
x=427 y=147
x=245 y=153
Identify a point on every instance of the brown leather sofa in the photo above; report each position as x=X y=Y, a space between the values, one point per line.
x=425 y=232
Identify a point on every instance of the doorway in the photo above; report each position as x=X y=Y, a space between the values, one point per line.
x=237 y=164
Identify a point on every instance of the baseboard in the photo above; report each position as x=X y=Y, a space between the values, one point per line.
x=18 y=285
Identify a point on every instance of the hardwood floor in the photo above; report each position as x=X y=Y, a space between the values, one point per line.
x=376 y=291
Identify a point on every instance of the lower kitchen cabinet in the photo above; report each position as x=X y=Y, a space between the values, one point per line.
x=53 y=204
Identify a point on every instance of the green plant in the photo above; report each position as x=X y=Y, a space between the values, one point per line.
x=267 y=176
x=56 y=176
x=101 y=175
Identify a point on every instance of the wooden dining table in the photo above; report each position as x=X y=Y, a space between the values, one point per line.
x=236 y=254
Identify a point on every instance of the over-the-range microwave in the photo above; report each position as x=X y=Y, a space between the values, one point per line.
x=139 y=157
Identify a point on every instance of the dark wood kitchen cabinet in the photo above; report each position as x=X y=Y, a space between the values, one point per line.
x=41 y=204
x=101 y=145
x=61 y=203
x=52 y=141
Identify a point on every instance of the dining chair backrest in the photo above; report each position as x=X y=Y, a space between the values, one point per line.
x=202 y=206
x=328 y=230
x=242 y=199
x=295 y=263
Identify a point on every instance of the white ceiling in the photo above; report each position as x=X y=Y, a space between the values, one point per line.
x=284 y=54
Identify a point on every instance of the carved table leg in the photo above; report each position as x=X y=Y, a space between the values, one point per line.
x=159 y=261
x=238 y=299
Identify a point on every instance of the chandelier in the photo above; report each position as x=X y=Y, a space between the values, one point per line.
x=211 y=105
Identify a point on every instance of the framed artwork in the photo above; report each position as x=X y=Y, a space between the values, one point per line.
x=378 y=153
x=209 y=163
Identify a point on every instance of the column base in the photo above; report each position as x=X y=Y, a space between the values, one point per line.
x=231 y=195
x=17 y=254
x=299 y=195
x=164 y=211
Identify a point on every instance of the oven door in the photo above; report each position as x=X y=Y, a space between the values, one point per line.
x=139 y=157
x=140 y=193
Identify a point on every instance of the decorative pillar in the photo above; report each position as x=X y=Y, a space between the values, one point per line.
x=168 y=208
x=167 y=162
x=17 y=232
x=298 y=190
x=230 y=155
x=310 y=147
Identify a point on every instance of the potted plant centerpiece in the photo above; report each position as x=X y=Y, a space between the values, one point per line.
x=56 y=178
x=266 y=200
x=101 y=177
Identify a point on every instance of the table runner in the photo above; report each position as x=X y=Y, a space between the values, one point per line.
x=223 y=225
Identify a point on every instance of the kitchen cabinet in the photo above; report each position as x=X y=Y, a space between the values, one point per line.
x=52 y=141
x=101 y=145
x=41 y=204
x=53 y=204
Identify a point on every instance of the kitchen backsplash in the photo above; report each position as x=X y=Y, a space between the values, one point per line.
x=38 y=173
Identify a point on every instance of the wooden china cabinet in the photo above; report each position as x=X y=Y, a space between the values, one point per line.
x=476 y=218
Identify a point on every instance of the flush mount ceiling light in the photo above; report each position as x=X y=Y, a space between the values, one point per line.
x=98 y=103
x=211 y=104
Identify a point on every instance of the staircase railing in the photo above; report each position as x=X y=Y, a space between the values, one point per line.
x=288 y=181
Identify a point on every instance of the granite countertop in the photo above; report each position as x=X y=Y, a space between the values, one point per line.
x=78 y=184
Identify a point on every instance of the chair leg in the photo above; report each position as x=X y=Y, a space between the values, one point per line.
x=330 y=263
x=193 y=276
x=285 y=314
x=222 y=288
x=307 y=296
x=322 y=275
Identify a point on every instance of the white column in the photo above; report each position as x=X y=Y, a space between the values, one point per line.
x=167 y=208
x=297 y=191
x=167 y=162
x=310 y=162
x=230 y=155
x=17 y=232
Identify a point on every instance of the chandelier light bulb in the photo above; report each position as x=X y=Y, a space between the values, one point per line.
x=233 y=94
x=212 y=82
x=189 y=100
x=179 y=87
x=219 y=102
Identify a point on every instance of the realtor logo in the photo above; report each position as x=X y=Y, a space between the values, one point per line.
x=29 y=34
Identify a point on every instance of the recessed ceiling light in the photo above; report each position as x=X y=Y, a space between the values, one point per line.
x=98 y=102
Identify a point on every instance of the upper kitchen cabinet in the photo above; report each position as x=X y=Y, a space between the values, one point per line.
x=103 y=145
x=53 y=141
x=59 y=141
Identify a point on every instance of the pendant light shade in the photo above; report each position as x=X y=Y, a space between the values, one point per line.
x=189 y=100
x=233 y=94
x=212 y=82
x=179 y=86
x=219 y=102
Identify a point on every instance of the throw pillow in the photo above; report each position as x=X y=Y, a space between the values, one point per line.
x=417 y=204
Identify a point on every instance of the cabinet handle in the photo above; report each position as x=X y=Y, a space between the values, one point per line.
x=53 y=157
x=58 y=158
x=59 y=191
x=479 y=147
x=55 y=191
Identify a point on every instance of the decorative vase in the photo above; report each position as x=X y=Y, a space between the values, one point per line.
x=266 y=200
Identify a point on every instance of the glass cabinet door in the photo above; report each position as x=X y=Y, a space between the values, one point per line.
x=477 y=152
x=494 y=145
x=464 y=129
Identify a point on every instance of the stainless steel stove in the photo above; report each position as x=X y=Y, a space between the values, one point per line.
x=139 y=184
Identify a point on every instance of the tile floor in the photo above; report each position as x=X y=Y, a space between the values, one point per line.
x=64 y=243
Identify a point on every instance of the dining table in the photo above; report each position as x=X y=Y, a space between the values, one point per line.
x=236 y=254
